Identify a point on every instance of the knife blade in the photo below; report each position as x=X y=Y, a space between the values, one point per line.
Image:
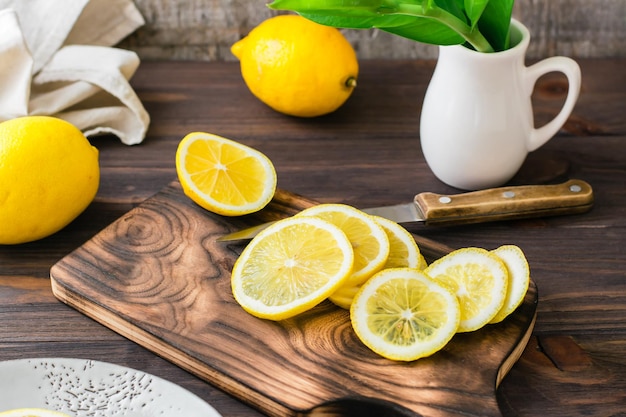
x=494 y=204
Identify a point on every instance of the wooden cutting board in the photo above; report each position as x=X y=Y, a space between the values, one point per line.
x=158 y=276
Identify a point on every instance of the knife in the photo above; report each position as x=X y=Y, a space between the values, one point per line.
x=494 y=204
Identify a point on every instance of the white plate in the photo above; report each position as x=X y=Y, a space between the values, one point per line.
x=86 y=388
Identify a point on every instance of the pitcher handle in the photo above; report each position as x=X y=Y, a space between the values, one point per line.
x=570 y=68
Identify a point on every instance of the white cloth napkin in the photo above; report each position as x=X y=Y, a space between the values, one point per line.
x=57 y=59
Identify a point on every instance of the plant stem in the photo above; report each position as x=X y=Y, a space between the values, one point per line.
x=472 y=36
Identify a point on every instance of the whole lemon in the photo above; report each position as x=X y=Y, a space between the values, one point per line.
x=49 y=173
x=296 y=66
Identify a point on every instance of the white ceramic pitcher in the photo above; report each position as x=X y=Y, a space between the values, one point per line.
x=477 y=122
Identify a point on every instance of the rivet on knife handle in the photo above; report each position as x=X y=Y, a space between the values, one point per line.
x=573 y=196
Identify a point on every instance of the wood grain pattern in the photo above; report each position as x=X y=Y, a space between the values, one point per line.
x=158 y=276
x=205 y=30
x=367 y=154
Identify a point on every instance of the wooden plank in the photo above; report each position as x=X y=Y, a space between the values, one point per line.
x=372 y=145
x=205 y=30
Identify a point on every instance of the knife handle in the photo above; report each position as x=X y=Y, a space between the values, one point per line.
x=505 y=203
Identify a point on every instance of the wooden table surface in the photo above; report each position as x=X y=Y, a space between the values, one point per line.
x=368 y=153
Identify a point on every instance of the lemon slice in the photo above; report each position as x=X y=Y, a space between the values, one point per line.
x=403 y=253
x=224 y=176
x=403 y=250
x=478 y=278
x=423 y=264
x=403 y=315
x=519 y=279
x=368 y=238
x=290 y=267
x=32 y=412
x=344 y=295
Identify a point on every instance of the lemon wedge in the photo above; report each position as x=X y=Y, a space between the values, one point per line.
x=224 y=176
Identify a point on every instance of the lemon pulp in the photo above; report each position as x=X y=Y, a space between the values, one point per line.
x=290 y=267
x=402 y=314
x=224 y=176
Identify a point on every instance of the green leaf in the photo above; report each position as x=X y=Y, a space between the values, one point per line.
x=495 y=23
x=384 y=15
x=438 y=22
x=354 y=8
x=454 y=7
x=427 y=31
x=359 y=22
x=421 y=30
x=474 y=10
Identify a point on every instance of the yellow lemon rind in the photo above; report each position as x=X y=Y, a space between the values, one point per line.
x=519 y=279
x=344 y=295
x=296 y=66
x=49 y=174
x=403 y=250
x=422 y=264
